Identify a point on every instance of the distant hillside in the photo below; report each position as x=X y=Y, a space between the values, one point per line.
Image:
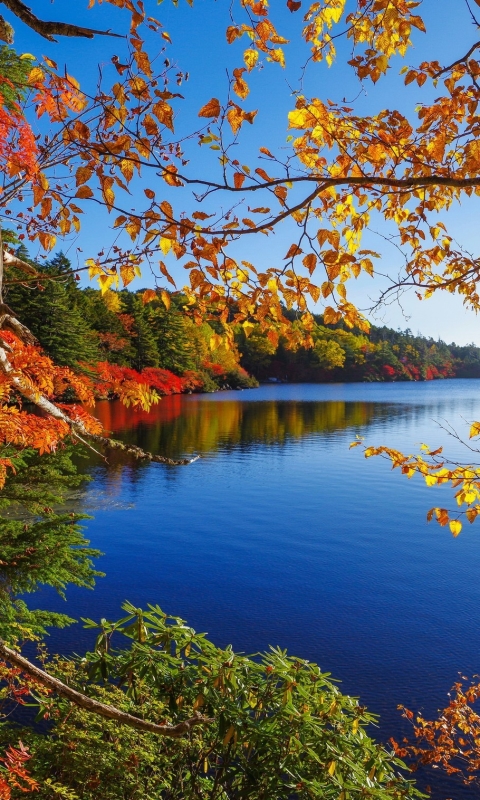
x=116 y=331
x=343 y=355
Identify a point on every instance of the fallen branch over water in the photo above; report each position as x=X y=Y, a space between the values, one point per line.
x=137 y=452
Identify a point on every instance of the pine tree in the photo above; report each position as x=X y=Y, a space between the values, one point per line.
x=172 y=336
x=39 y=546
x=143 y=340
x=52 y=313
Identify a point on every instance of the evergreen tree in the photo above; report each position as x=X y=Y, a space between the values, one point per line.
x=111 y=326
x=52 y=314
x=172 y=336
x=144 y=342
x=38 y=545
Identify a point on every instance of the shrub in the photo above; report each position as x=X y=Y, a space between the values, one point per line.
x=276 y=727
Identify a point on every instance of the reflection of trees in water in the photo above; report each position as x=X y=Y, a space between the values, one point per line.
x=178 y=426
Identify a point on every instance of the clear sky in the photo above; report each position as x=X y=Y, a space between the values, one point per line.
x=199 y=47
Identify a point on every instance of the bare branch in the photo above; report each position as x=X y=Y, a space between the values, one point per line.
x=14 y=261
x=48 y=29
x=459 y=60
x=137 y=452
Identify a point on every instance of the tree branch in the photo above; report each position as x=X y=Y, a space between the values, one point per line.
x=9 y=321
x=47 y=29
x=137 y=452
x=101 y=709
x=459 y=60
x=14 y=261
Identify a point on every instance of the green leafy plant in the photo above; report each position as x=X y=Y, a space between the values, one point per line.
x=277 y=726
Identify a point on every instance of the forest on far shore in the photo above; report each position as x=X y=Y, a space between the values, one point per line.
x=115 y=334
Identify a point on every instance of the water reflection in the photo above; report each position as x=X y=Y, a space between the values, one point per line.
x=177 y=426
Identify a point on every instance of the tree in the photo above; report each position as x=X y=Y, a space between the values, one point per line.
x=52 y=314
x=143 y=336
x=39 y=545
x=172 y=335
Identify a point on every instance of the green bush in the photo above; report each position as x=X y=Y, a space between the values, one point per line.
x=280 y=729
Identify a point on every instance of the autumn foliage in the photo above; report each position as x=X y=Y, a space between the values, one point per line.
x=451 y=741
x=342 y=170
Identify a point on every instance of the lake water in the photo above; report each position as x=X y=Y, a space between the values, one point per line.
x=281 y=535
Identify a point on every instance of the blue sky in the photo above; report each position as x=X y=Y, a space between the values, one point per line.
x=200 y=48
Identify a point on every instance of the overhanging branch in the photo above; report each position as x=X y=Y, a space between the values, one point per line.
x=100 y=709
x=49 y=29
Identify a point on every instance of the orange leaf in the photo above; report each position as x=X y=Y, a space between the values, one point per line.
x=293 y=250
x=82 y=175
x=83 y=192
x=167 y=209
x=210 y=109
x=166 y=299
x=233 y=33
x=310 y=262
x=143 y=62
x=164 y=114
x=238 y=180
x=148 y=296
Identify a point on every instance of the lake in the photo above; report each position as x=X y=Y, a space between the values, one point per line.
x=282 y=535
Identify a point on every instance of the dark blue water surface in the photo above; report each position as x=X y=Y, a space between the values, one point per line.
x=281 y=535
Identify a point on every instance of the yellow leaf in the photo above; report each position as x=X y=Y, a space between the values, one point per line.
x=331 y=767
x=300 y=118
x=278 y=55
x=166 y=298
x=126 y=167
x=455 y=526
x=165 y=245
x=228 y=734
x=93 y=268
x=272 y=285
x=250 y=57
x=106 y=281
x=36 y=75
x=474 y=430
